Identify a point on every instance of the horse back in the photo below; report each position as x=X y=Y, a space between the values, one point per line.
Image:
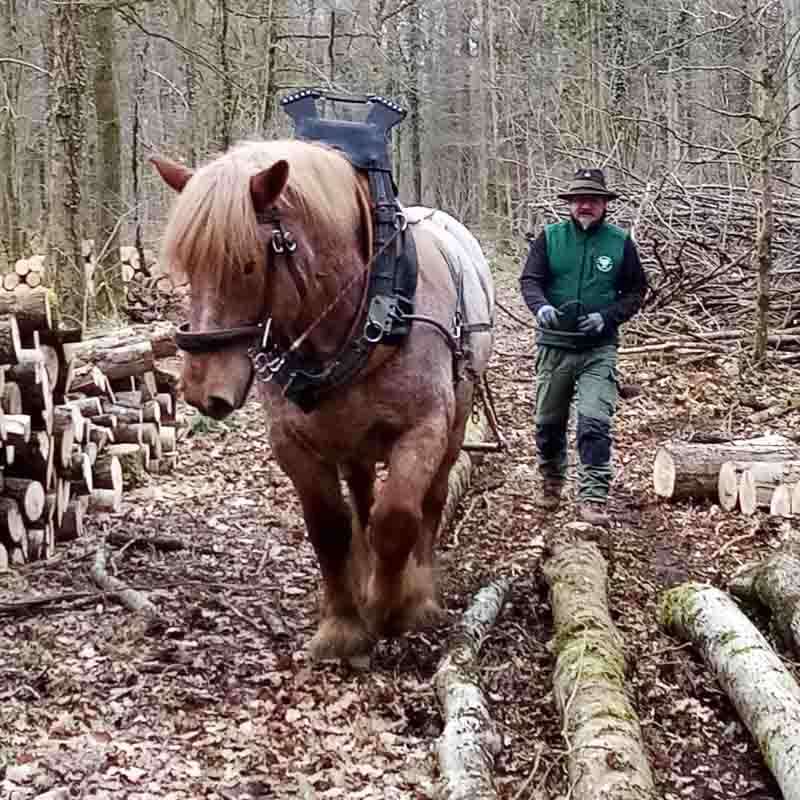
x=466 y=264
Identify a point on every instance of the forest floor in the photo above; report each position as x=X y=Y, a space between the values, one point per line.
x=220 y=700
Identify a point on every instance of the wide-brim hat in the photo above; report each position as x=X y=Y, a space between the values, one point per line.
x=588 y=183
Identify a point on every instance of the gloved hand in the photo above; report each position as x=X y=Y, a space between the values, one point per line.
x=592 y=324
x=547 y=317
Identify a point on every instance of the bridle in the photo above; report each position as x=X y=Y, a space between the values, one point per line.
x=281 y=242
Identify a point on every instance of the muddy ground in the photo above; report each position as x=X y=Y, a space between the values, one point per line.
x=219 y=700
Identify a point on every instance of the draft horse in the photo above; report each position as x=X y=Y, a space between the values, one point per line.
x=276 y=241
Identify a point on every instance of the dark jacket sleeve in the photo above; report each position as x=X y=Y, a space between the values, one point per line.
x=631 y=287
x=535 y=274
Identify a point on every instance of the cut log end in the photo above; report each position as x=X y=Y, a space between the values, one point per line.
x=781 y=502
x=664 y=474
x=728 y=484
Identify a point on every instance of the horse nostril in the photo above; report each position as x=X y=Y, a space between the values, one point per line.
x=218 y=407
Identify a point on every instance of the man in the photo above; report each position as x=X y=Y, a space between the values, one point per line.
x=582 y=279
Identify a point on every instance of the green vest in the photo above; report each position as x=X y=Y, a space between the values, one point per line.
x=584 y=266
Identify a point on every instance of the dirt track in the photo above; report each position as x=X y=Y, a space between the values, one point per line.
x=221 y=701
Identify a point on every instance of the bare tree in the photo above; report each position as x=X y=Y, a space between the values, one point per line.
x=108 y=178
x=67 y=125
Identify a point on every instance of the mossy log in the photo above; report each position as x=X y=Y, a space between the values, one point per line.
x=775 y=583
x=762 y=690
x=606 y=753
x=469 y=741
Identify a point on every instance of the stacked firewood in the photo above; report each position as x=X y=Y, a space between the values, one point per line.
x=80 y=420
x=150 y=291
x=28 y=273
x=751 y=474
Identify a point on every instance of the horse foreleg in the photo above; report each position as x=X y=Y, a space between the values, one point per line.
x=328 y=521
x=401 y=590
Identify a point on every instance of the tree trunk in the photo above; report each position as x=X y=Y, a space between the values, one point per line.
x=682 y=470
x=764 y=693
x=66 y=272
x=606 y=754
x=110 y=209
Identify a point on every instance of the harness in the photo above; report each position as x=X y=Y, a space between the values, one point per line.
x=387 y=309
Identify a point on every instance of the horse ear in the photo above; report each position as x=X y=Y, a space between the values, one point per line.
x=266 y=187
x=175 y=175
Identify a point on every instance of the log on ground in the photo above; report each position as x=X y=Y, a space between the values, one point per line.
x=606 y=752
x=775 y=583
x=682 y=469
x=469 y=741
x=762 y=690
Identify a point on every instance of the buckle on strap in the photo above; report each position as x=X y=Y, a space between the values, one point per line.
x=382 y=313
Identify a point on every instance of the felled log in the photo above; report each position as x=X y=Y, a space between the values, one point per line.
x=11 y=398
x=34 y=459
x=107 y=472
x=15 y=428
x=32 y=311
x=29 y=496
x=106 y=500
x=469 y=742
x=144 y=433
x=757 y=484
x=780 y=504
x=134 y=461
x=682 y=469
x=88 y=406
x=10 y=343
x=769 y=474
x=115 y=357
x=165 y=465
x=71 y=526
x=37 y=544
x=775 y=583
x=606 y=753
x=12 y=526
x=79 y=473
x=762 y=690
x=460 y=477
x=149 y=411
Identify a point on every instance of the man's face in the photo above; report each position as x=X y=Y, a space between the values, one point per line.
x=587 y=209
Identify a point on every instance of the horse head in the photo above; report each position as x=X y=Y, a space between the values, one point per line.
x=260 y=246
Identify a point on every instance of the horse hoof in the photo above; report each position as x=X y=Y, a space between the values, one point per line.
x=340 y=638
x=426 y=615
x=420 y=616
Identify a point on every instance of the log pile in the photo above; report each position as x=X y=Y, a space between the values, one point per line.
x=80 y=419
x=149 y=289
x=28 y=273
x=751 y=474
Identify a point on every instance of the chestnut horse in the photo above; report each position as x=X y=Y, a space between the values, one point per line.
x=406 y=407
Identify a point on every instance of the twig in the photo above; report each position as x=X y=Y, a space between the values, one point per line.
x=168 y=544
x=30 y=603
x=121 y=592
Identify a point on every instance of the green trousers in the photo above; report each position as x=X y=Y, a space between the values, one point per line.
x=590 y=378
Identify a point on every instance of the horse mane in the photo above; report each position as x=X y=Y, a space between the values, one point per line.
x=212 y=229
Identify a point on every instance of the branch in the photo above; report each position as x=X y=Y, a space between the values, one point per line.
x=21 y=63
